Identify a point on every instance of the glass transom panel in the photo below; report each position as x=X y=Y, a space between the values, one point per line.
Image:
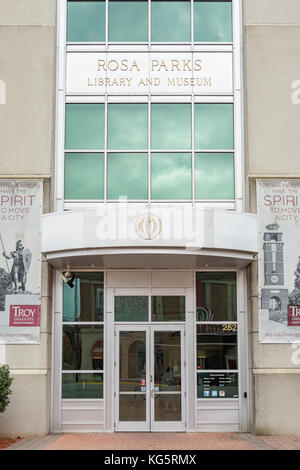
x=170 y=21
x=212 y=21
x=171 y=176
x=128 y=21
x=127 y=126
x=84 y=126
x=127 y=175
x=214 y=126
x=171 y=126
x=86 y=21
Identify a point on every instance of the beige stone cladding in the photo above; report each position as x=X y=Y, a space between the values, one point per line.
x=27 y=116
x=272 y=144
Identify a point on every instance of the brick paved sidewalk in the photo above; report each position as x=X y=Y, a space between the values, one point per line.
x=158 y=441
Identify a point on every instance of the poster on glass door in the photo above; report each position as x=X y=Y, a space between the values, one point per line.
x=278 y=210
x=20 y=261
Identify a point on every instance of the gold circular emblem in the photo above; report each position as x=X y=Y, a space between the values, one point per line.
x=148 y=226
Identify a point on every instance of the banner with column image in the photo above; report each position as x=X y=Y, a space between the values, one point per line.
x=20 y=261
x=278 y=211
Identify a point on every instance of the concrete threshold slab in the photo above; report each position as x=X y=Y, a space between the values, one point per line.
x=257 y=443
x=34 y=443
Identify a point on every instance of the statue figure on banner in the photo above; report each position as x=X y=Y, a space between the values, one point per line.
x=21 y=264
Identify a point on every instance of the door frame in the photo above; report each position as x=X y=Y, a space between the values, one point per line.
x=150 y=425
x=169 y=426
x=131 y=425
x=114 y=285
x=150 y=327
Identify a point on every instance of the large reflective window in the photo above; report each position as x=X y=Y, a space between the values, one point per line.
x=84 y=176
x=214 y=176
x=127 y=175
x=212 y=21
x=132 y=361
x=86 y=21
x=84 y=126
x=168 y=308
x=171 y=126
x=130 y=308
x=167 y=361
x=128 y=21
x=216 y=296
x=127 y=126
x=84 y=302
x=217 y=346
x=82 y=347
x=171 y=176
x=170 y=21
x=214 y=126
x=132 y=370
x=82 y=386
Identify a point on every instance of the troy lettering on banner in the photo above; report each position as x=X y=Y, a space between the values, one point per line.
x=294 y=315
x=24 y=315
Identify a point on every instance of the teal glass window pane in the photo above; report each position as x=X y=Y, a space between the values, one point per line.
x=212 y=21
x=84 y=302
x=127 y=126
x=84 y=126
x=214 y=126
x=171 y=126
x=214 y=176
x=131 y=308
x=127 y=175
x=128 y=21
x=82 y=347
x=84 y=176
x=82 y=386
x=171 y=176
x=86 y=21
x=170 y=21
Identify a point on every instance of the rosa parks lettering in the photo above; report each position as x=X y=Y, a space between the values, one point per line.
x=171 y=65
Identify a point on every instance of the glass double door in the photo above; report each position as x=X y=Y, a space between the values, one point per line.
x=150 y=378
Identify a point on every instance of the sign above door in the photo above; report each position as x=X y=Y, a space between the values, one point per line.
x=202 y=73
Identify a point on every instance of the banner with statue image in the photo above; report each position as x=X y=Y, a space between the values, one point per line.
x=278 y=211
x=20 y=261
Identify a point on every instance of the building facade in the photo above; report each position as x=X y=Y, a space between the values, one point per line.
x=149 y=138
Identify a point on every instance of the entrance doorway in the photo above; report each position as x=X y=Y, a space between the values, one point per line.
x=150 y=378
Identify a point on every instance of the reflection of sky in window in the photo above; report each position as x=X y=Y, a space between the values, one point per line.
x=84 y=175
x=214 y=176
x=84 y=126
x=171 y=126
x=171 y=175
x=127 y=126
x=214 y=126
x=171 y=21
x=127 y=175
x=128 y=21
x=86 y=21
x=212 y=21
